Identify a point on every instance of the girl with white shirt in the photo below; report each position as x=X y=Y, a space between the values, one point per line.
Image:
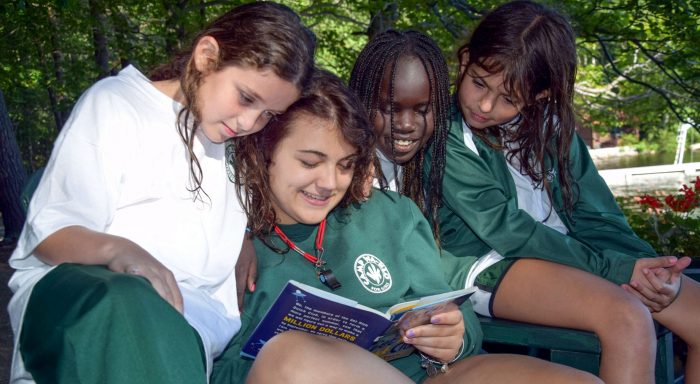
x=125 y=267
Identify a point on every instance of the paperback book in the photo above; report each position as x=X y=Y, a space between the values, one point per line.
x=305 y=308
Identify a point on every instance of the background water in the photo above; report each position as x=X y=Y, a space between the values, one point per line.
x=645 y=160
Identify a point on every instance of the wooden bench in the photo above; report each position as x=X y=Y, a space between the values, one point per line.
x=574 y=348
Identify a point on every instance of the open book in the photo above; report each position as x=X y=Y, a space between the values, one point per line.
x=304 y=308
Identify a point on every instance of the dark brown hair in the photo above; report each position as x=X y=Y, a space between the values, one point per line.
x=259 y=35
x=535 y=48
x=327 y=99
x=381 y=54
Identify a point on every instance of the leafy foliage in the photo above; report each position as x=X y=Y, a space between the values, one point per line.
x=671 y=224
x=639 y=60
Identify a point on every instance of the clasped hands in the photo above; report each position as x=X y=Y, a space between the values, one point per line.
x=656 y=281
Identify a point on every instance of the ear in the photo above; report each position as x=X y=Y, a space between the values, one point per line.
x=206 y=54
x=463 y=60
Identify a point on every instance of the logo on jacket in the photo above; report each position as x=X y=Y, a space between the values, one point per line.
x=230 y=161
x=372 y=273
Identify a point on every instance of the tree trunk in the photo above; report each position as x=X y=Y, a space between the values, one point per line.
x=12 y=177
x=99 y=39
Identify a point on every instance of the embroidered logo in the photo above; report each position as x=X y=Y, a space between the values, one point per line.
x=230 y=161
x=372 y=273
x=551 y=174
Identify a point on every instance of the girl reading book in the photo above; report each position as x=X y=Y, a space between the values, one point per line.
x=303 y=181
x=125 y=268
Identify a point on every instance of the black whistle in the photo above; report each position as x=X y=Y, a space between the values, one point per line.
x=328 y=278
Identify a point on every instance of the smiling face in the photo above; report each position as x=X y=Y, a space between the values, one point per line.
x=237 y=101
x=413 y=116
x=483 y=99
x=310 y=170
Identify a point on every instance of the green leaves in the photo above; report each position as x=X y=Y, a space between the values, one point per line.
x=639 y=61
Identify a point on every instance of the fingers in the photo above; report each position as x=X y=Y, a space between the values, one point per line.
x=652 y=306
x=656 y=262
x=441 y=338
x=162 y=280
x=252 y=276
x=680 y=265
x=246 y=269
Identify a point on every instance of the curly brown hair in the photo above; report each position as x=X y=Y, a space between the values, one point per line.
x=327 y=99
x=261 y=35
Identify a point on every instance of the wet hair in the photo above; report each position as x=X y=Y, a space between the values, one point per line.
x=260 y=35
x=535 y=49
x=381 y=54
x=327 y=100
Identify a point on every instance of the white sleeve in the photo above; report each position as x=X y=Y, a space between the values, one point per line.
x=80 y=185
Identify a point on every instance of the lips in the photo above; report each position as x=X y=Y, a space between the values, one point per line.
x=314 y=199
x=404 y=145
x=229 y=132
x=479 y=118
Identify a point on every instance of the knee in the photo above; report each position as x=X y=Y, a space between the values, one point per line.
x=121 y=292
x=285 y=358
x=626 y=317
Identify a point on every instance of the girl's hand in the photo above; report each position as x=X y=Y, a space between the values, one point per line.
x=76 y=244
x=656 y=281
x=246 y=269
x=442 y=337
x=132 y=259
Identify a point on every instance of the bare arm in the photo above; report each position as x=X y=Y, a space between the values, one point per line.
x=80 y=245
x=246 y=269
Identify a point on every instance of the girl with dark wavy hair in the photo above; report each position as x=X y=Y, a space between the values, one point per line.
x=125 y=268
x=520 y=188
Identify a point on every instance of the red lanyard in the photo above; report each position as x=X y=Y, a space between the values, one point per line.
x=325 y=275
x=318 y=258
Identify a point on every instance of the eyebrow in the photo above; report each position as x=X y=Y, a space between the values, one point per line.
x=313 y=152
x=324 y=156
x=255 y=96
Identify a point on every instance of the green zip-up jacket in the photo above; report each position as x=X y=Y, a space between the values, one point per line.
x=387 y=231
x=480 y=212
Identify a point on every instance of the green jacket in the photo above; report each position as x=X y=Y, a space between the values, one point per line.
x=480 y=212
x=387 y=226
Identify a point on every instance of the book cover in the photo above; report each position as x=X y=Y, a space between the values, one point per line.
x=305 y=308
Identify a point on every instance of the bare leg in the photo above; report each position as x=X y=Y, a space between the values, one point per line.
x=547 y=293
x=506 y=368
x=297 y=357
x=682 y=317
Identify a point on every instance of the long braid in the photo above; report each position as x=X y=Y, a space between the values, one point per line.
x=382 y=54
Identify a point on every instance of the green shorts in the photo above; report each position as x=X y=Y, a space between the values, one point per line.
x=488 y=281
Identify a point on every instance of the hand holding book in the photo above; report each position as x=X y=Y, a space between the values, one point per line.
x=312 y=310
x=437 y=332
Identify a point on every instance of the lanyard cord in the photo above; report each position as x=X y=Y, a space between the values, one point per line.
x=317 y=259
x=324 y=275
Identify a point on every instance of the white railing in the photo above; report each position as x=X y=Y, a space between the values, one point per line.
x=632 y=181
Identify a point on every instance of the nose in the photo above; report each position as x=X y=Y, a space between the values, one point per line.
x=327 y=178
x=252 y=121
x=486 y=103
x=406 y=121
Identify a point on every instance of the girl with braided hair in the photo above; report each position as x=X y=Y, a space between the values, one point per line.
x=402 y=79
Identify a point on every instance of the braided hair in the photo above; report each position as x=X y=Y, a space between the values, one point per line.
x=381 y=54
